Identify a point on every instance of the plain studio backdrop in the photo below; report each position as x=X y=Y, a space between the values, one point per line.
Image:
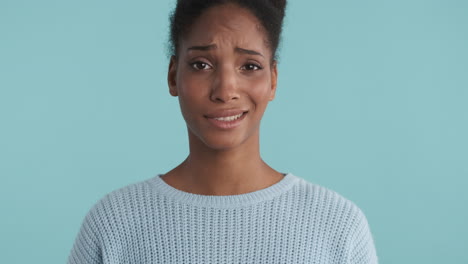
x=372 y=102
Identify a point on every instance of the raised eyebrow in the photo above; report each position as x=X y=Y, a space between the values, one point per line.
x=203 y=48
x=213 y=46
x=247 y=51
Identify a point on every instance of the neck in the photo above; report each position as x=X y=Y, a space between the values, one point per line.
x=224 y=172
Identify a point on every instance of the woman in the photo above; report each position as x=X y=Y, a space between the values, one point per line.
x=224 y=204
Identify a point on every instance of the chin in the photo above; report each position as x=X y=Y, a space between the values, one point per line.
x=221 y=143
x=219 y=140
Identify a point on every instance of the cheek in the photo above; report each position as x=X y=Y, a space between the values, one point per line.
x=260 y=90
x=188 y=90
x=191 y=100
x=191 y=85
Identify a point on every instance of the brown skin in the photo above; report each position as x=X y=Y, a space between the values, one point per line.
x=223 y=162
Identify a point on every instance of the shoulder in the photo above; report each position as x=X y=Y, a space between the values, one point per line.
x=330 y=207
x=122 y=201
x=325 y=197
x=342 y=220
x=111 y=216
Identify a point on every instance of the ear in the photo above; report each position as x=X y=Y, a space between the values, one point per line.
x=274 y=80
x=172 y=76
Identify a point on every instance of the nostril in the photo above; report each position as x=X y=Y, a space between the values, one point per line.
x=224 y=98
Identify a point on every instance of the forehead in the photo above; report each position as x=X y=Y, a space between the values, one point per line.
x=227 y=25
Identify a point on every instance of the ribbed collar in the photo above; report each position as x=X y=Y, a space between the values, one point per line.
x=225 y=201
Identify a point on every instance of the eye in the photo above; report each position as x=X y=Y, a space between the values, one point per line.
x=251 y=67
x=200 y=65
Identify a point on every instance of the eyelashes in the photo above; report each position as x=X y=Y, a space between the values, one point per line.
x=251 y=67
x=200 y=66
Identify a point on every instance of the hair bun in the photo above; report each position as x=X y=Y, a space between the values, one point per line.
x=279 y=4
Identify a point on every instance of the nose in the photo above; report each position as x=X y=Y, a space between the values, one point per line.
x=225 y=85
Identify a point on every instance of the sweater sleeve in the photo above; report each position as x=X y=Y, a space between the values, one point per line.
x=87 y=247
x=362 y=248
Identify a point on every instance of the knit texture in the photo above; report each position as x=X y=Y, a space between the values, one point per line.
x=292 y=221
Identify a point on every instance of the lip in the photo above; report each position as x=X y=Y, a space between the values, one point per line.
x=225 y=113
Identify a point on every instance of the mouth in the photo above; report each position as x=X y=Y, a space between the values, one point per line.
x=227 y=122
x=230 y=118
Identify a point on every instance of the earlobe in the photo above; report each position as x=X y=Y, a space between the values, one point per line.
x=171 y=76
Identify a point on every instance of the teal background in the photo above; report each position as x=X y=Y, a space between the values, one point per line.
x=372 y=103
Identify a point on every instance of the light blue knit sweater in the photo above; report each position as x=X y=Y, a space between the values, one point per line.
x=292 y=221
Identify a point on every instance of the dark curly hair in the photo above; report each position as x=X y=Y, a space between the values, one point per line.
x=269 y=12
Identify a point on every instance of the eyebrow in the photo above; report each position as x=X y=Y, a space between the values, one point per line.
x=246 y=51
x=203 y=48
x=213 y=46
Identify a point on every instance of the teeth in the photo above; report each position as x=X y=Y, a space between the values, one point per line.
x=229 y=118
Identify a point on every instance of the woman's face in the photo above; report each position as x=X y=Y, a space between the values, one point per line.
x=223 y=77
